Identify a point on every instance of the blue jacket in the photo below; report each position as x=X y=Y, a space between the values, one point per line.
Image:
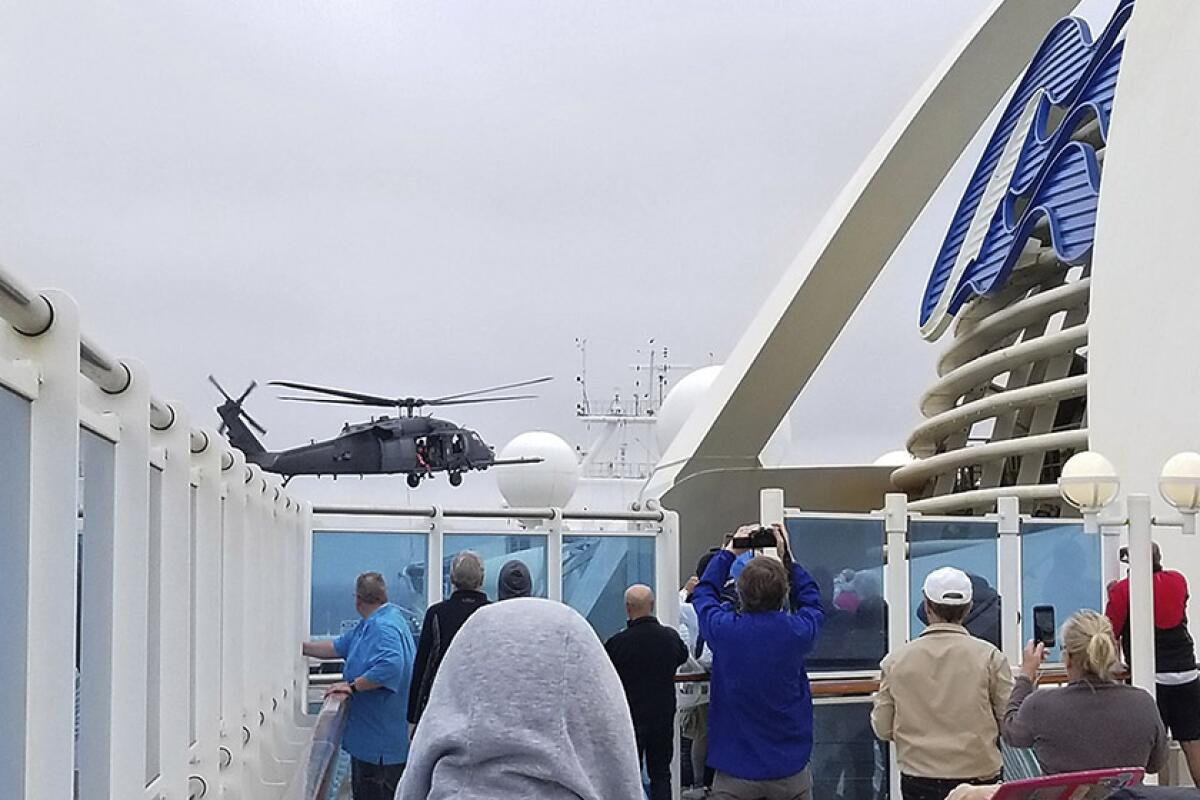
x=380 y=649
x=760 y=713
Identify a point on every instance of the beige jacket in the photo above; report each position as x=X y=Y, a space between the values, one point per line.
x=941 y=700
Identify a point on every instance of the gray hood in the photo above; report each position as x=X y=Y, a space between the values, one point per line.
x=526 y=704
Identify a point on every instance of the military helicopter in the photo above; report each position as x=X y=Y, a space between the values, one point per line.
x=408 y=443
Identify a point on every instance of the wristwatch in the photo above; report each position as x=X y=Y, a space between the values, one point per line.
x=353 y=688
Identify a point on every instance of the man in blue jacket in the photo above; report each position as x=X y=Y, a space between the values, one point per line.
x=378 y=653
x=760 y=711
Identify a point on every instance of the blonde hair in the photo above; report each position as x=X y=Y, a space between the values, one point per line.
x=1087 y=637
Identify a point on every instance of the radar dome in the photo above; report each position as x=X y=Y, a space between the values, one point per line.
x=550 y=483
x=682 y=400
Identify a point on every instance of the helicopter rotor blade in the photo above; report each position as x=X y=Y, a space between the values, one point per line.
x=331 y=400
x=253 y=385
x=364 y=399
x=516 y=385
x=253 y=423
x=465 y=401
x=220 y=388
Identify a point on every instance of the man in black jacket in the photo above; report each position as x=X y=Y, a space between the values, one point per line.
x=442 y=622
x=646 y=655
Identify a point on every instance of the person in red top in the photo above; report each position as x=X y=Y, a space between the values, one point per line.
x=1177 y=681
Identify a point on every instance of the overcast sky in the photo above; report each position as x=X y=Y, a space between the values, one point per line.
x=426 y=198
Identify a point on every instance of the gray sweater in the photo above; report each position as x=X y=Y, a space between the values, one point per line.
x=526 y=704
x=1084 y=726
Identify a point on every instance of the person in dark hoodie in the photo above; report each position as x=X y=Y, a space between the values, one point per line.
x=442 y=622
x=983 y=620
x=514 y=581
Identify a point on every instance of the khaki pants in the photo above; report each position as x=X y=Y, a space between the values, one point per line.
x=793 y=787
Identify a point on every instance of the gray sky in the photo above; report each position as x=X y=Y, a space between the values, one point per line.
x=428 y=198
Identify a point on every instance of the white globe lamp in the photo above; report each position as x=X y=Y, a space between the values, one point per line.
x=1089 y=482
x=1179 y=484
x=550 y=483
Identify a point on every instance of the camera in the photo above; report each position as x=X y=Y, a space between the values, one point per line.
x=759 y=539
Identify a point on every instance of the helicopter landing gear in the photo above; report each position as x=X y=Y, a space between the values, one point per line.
x=414 y=480
x=456 y=479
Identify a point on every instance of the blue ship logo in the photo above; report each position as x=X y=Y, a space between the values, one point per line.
x=1039 y=175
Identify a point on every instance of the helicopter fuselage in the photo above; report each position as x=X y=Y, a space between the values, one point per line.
x=387 y=445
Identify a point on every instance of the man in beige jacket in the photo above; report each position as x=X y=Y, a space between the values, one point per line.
x=942 y=696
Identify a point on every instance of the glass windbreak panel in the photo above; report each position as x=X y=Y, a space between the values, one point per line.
x=14 y=544
x=596 y=572
x=339 y=557
x=94 y=528
x=1060 y=567
x=193 y=611
x=154 y=627
x=845 y=557
x=848 y=762
x=969 y=545
x=496 y=550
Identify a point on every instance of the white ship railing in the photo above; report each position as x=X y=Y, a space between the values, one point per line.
x=181 y=570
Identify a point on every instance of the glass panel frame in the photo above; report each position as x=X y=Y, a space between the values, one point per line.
x=971 y=544
x=497 y=549
x=630 y=558
x=339 y=556
x=845 y=555
x=1060 y=566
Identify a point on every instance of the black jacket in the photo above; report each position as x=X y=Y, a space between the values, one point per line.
x=646 y=655
x=983 y=620
x=442 y=622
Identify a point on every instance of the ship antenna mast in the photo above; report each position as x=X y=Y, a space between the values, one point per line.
x=585 y=407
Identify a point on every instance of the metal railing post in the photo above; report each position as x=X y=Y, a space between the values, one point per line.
x=896 y=590
x=232 y=613
x=668 y=569
x=39 y=557
x=554 y=557
x=206 y=663
x=433 y=574
x=1141 y=593
x=1008 y=578
x=174 y=635
x=113 y=676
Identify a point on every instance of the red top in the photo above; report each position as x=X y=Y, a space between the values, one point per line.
x=1170 y=601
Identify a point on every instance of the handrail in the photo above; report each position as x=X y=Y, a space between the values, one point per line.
x=488 y=513
x=31 y=314
x=317 y=764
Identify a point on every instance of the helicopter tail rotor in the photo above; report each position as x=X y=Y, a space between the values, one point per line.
x=235 y=406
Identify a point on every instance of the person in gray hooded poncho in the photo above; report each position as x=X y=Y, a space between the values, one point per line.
x=525 y=705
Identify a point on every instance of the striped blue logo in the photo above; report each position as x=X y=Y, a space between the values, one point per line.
x=1039 y=175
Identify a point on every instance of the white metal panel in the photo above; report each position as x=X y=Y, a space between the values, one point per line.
x=1143 y=383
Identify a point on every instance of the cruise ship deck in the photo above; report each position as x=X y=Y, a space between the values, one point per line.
x=156 y=588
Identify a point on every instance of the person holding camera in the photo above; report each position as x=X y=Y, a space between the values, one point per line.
x=942 y=697
x=760 y=709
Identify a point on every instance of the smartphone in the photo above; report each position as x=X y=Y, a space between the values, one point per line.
x=1043 y=625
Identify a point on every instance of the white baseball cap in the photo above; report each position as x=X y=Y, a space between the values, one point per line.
x=948 y=586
